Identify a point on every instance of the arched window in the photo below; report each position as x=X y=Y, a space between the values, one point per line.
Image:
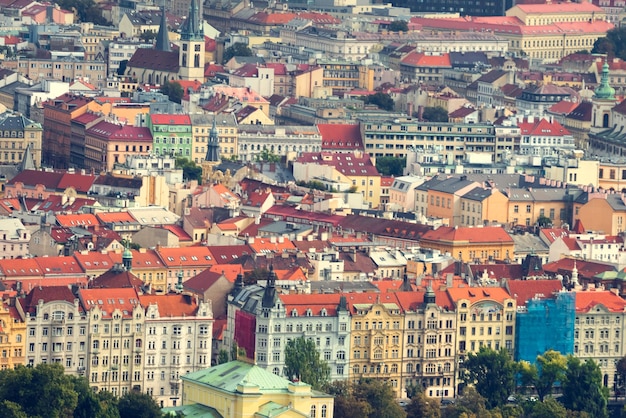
x=323 y=411
x=313 y=411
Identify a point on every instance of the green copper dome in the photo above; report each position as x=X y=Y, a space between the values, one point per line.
x=604 y=90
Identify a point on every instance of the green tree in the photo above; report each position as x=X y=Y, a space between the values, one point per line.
x=391 y=166
x=435 y=114
x=399 y=26
x=379 y=394
x=303 y=362
x=346 y=404
x=492 y=373
x=544 y=221
x=621 y=371
x=422 y=406
x=148 y=36
x=548 y=408
x=268 y=156
x=86 y=10
x=41 y=391
x=11 y=410
x=382 y=100
x=471 y=404
x=173 y=90
x=237 y=49
x=613 y=44
x=582 y=388
x=135 y=404
x=549 y=369
x=222 y=357
x=191 y=171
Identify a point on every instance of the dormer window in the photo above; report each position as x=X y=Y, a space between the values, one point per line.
x=294 y=312
x=309 y=313
x=323 y=312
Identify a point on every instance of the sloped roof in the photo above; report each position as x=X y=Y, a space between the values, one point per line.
x=47 y=294
x=420 y=59
x=340 y=136
x=171 y=304
x=476 y=294
x=586 y=300
x=542 y=127
x=153 y=59
x=467 y=234
x=524 y=290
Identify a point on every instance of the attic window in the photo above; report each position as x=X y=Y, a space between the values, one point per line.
x=294 y=312
x=324 y=313
x=309 y=313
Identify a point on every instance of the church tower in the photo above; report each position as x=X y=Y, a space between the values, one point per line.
x=163 y=36
x=191 y=53
x=602 y=102
x=212 y=157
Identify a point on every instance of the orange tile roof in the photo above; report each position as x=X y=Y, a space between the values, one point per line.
x=524 y=290
x=476 y=294
x=21 y=267
x=586 y=300
x=291 y=275
x=110 y=300
x=559 y=8
x=420 y=59
x=370 y=298
x=315 y=302
x=94 y=260
x=187 y=256
x=171 y=305
x=413 y=301
x=84 y=220
x=115 y=217
x=230 y=271
x=51 y=266
x=265 y=245
x=472 y=235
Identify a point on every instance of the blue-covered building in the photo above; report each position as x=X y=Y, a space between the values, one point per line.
x=545 y=323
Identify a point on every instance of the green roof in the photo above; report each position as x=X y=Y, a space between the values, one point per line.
x=229 y=375
x=194 y=410
x=271 y=409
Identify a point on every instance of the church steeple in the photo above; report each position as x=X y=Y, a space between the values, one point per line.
x=604 y=90
x=270 y=295
x=191 y=57
x=192 y=28
x=163 y=38
x=213 y=147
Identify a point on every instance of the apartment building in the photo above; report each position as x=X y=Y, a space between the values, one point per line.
x=19 y=135
x=287 y=141
x=13 y=337
x=479 y=244
x=396 y=138
x=56 y=329
x=429 y=357
x=171 y=134
x=599 y=330
x=179 y=331
x=227 y=131
x=64 y=69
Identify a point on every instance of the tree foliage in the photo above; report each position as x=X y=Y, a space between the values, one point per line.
x=138 y=405
x=173 y=90
x=435 y=114
x=237 y=49
x=222 y=357
x=382 y=100
x=85 y=10
x=45 y=391
x=582 y=388
x=303 y=362
x=549 y=408
x=399 y=26
x=422 y=406
x=613 y=44
x=346 y=404
x=544 y=221
x=549 y=369
x=268 y=156
x=191 y=171
x=148 y=36
x=391 y=166
x=492 y=373
x=380 y=397
x=621 y=370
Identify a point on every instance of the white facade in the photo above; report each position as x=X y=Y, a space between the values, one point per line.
x=288 y=141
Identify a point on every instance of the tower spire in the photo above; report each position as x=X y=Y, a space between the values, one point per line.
x=213 y=148
x=163 y=38
x=192 y=29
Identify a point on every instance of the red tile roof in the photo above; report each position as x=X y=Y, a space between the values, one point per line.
x=300 y=303
x=179 y=232
x=265 y=245
x=370 y=298
x=340 y=136
x=476 y=294
x=187 y=256
x=115 y=217
x=524 y=290
x=46 y=294
x=552 y=234
x=413 y=301
x=21 y=267
x=542 y=127
x=559 y=8
x=421 y=59
x=563 y=107
x=113 y=131
x=86 y=220
x=350 y=165
x=110 y=300
x=586 y=300
x=171 y=305
x=226 y=254
x=170 y=119
x=467 y=234
x=586 y=269
x=60 y=266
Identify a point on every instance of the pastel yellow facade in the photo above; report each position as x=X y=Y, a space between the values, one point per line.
x=491 y=209
x=377 y=323
x=12 y=337
x=243 y=390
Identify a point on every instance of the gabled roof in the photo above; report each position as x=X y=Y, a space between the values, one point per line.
x=542 y=127
x=467 y=234
x=225 y=254
x=316 y=303
x=348 y=164
x=171 y=305
x=340 y=136
x=46 y=294
x=110 y=300
x=586 y=300
x=524 y=290
x=186 y=256
x=203 y=281
x=116 y=278
x=563 y=107
x=153 y=59
x=476 y=294
x=421 y=59
x=166 y=119
x=86 y=220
